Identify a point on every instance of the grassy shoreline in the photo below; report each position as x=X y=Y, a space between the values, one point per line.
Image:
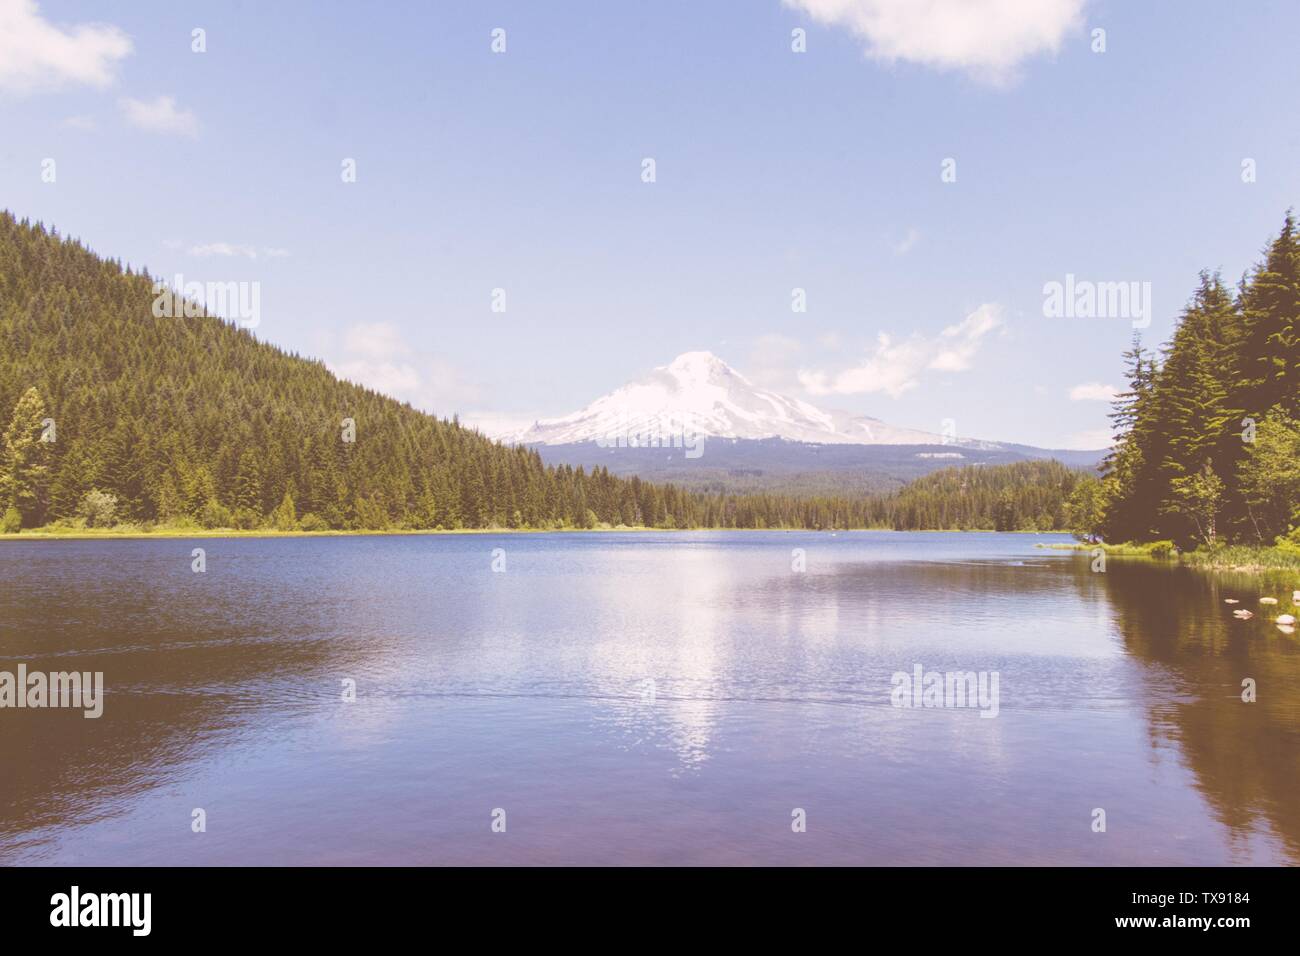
x=109 y=534
x=1239 y=557
x=90 y=534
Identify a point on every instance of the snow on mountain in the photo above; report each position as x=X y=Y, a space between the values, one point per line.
x=698 y=394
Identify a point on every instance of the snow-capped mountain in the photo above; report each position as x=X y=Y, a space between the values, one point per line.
x=699 y=423
x=699 y=394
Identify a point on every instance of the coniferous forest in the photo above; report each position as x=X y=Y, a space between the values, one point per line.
x=121 y=418
x=1208 y=448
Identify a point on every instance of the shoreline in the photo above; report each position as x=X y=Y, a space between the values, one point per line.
x=114 y=535
x=1249 y=559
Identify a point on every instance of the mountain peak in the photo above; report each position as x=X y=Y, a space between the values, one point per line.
x=700 y=367
x=699 y=393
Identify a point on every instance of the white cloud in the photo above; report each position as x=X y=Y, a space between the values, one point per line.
x=36 y=54
x=959 y=343
x=1093 y=392
x=379 y=357
x=160 y=115
x=895 y=366
x=230 y=250
x=223 y=249
x=502 y=427
x=398 y=379
x=908 y=242
x=987 y=38
x=374 y=340
x=83 y=123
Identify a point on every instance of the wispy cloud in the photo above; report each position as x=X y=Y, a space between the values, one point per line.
x=988 y=39
x=397 y=379
x=959 y=343
x=378 y=357
x=895 y=366
x=374 y=340
x=160 y=115
x=233 y=250
x=1093 y=392
x=498 y=425
x=37 y=55
x=83 y=123
x=908 y=242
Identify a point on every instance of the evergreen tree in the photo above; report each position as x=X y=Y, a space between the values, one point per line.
x=1191 y=406
x=1270 y=358
x=1127 y=468
x=285 y=516
x=25 y=463
x=248 y=484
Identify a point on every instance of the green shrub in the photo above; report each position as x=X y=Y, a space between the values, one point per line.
x=246 y=519
x=1290 y=543
x=313 y=522
x=216 y=515
x=12 y=522
x=285 y=516
x=99 y=509
x=1162 y=549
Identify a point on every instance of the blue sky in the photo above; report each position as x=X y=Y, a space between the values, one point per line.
x=774 y=170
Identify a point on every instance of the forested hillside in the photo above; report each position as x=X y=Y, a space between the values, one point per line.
x=194 y=419
x=120 y=417
x=1023 y=496
x=1209 y=443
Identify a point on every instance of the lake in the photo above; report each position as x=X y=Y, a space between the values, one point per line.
x=644 y=698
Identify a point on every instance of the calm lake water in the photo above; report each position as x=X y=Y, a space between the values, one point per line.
x=530 y=691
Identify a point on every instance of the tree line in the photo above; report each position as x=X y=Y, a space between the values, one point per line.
x=1208 y=441
x=124 y=418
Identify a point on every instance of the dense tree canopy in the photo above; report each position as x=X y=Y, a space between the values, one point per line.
x=1208 y=441
x=1023 y=496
